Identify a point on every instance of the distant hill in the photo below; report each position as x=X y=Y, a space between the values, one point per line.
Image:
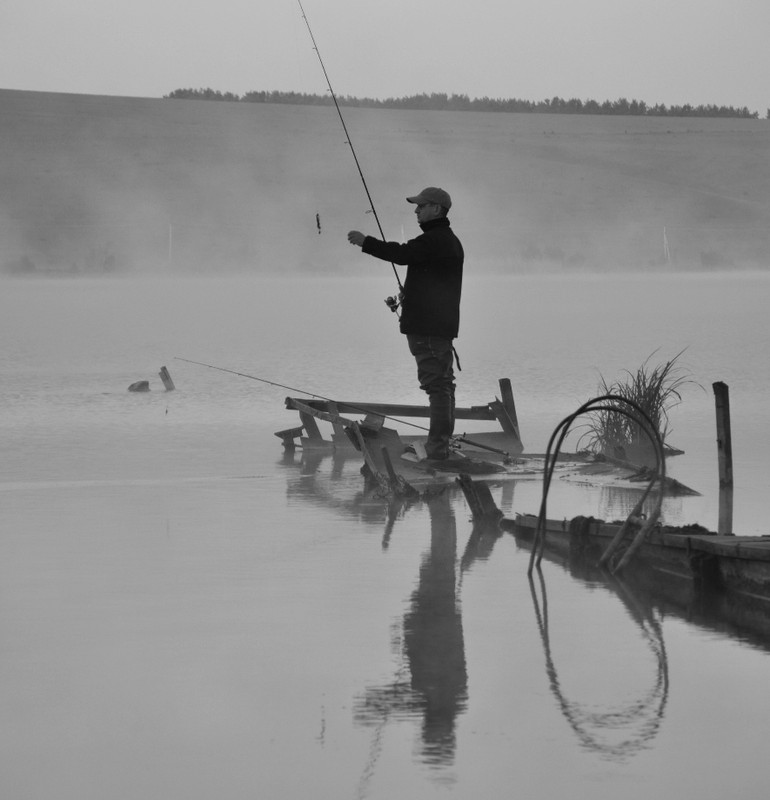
x=110 y=183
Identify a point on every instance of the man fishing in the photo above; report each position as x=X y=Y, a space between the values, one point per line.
x=430 y=305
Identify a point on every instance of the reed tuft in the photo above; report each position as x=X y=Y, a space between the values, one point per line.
x=656 y=390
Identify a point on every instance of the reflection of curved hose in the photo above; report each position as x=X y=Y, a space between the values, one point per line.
x=647 y=712
x=617 y=404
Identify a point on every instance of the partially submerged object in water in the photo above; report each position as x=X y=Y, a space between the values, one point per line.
x=392 y=460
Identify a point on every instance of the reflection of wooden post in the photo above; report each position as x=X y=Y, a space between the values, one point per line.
x=725 y=452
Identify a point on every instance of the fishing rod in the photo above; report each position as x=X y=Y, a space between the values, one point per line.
x=349 y=141
x=359 y=409
x=300 y=391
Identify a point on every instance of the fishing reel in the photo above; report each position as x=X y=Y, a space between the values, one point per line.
x=393 y=302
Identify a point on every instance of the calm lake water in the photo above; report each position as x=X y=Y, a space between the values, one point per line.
x=187 y=612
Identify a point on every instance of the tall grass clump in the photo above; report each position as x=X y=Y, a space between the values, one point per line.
x=656 y=390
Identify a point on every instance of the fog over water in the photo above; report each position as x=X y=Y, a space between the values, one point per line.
x=188 y=611
x=555 y=338
x=125 y=185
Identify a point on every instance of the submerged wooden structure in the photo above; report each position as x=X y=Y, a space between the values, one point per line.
x=361 y=426
x=339 y=414
x=688 y=559
x=360 y=429
x=707 y=561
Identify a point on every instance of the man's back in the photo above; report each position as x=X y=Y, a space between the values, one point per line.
x=433 y=285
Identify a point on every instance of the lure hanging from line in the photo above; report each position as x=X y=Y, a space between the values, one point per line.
x=347 y=137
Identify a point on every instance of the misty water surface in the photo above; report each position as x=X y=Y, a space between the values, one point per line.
x=188 y=612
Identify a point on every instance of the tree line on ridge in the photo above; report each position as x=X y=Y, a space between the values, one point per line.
x=439 y=101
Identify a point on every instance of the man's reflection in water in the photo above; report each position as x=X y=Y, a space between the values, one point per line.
x=433 y=636
x=432 y=646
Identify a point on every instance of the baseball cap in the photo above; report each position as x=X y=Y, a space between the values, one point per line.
x=432 y=195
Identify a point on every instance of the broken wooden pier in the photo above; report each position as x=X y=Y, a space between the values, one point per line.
x=360 y=426
x=340 y=416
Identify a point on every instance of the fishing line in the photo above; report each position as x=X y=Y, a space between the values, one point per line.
x=358 y=409
x=349 y=141
x=299 y=391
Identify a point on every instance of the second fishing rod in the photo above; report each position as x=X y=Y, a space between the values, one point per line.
x=391 y=302
x=356 y=408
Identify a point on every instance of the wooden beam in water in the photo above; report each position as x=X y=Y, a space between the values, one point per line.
x=506 y=395
x=479 y=498
x=390 y=409
x=289 y=436
x=505 y=411
x=314 y=413
x=337 y=425
x=372 y=470
x=398 y=484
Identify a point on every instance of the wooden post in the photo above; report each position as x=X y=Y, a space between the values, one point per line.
x=338 y=427
x=165 y=376
x=506 y=395
x=398 y=483
x=725 y=454
x=480 y=500
x=505 y=410
x=374 y=474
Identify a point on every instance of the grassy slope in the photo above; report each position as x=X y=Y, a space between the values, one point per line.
x=239 y=185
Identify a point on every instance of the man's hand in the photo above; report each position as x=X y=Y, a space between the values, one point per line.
x=357 y=238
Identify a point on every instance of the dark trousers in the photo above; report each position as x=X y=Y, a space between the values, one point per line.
x=435 y=359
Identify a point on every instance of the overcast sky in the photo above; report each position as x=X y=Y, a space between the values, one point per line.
x=667 y=51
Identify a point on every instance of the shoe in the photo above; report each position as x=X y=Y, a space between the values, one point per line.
x=449 y=463
x=437 y=453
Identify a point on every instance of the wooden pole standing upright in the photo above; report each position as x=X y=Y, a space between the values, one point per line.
x=165 y=376
x=725 y=453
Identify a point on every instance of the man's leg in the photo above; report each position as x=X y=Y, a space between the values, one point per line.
x=435 y=373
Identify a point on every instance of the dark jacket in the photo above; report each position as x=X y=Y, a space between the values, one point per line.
x=434 y=277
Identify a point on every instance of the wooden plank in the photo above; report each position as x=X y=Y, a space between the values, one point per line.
x=739 y=547
x=337 y=424
x=289 y=435
x=389 y=409
x=505 y=410
x=506 y=394
x=311 y=426
x=327 y=416
x=501 y=415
